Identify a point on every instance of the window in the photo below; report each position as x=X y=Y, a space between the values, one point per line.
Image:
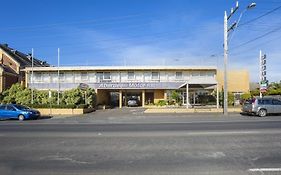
x=99 y=76
x=210 y=74
x=62 y=76
x=106 y=76
x=195 y=74
x=103 y=76
x=37 y=77
x=3 y=107
x=178 y=75
x=155 y=75
x=276 y=102
x=203 y=74
x=10 y=108
x=54 y=77
x=131 y=75
x=265 y=102
x=84 y=76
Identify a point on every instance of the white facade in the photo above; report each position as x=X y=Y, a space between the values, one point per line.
x=153 y=82
x=113 y=76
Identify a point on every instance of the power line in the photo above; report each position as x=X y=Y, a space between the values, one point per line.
x=263 y=15
x=259 y=37
x=257 y=45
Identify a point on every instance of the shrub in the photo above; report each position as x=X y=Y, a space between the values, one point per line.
x=52 y=106
x=176 y=96
x=162 y=103
x=69 y=99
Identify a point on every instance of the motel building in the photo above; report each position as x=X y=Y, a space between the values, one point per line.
x=114 y=85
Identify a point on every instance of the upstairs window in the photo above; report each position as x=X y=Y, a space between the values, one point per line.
x=155 y=76
x=106 y=76
x=62 y=76
x=84 y=76
x=178 y=75
x=37 y=77
x=131 y=75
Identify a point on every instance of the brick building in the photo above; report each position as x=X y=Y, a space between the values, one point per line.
x=12 y=63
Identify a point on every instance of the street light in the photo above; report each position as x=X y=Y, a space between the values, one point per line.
x=225 y=46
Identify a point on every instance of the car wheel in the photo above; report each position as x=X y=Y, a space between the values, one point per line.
x=262 y=113
x=21 y=117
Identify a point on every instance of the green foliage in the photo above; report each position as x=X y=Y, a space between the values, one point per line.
x=273 y=92
x=162 y=103
x=90 y=97
x=17 y=94
x=274 y=88
x=230 y=98
x=246 y=96
x=52 y=106
x=255 y=93
x=176 y=96
x=68 y=99
x=73 y=96
x=41 y=97
x=207 y=99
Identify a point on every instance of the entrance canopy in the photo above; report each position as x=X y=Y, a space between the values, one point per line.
x=201 y=83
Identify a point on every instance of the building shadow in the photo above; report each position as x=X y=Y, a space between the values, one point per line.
x=44 y=117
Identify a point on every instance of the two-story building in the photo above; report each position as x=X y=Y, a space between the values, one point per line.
x=12 y=63
x=116 y=84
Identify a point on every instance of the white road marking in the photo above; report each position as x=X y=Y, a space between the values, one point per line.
x=265 y=170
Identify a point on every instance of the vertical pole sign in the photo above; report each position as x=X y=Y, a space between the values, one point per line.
x=263 y=80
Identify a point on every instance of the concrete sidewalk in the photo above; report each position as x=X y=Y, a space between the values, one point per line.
x=191 y=110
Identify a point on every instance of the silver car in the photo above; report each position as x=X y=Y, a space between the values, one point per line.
x=262 y=106
x=133 y=102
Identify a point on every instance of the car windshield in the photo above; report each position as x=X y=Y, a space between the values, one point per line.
x=21 y=107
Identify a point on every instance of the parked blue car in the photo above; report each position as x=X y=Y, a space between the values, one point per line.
x=20 y=112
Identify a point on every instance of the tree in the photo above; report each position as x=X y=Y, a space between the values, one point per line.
x=175 y=96
x=21 y=95
x=90 y=97
x=17 y=94
x=72 y=97
x=246 y=96
x=230 y=98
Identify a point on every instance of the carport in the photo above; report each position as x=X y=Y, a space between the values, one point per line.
x=205 y=84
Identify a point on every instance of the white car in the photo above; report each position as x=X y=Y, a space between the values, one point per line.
x=133 y=102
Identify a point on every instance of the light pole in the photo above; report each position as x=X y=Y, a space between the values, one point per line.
x=32 y=62
x=225 y=48
x=58 y=76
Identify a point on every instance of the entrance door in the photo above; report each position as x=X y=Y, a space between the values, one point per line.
x=183 y=98
x=149 y=98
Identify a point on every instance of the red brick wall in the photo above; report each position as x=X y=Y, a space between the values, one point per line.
x=8 y=62
x=9 y=80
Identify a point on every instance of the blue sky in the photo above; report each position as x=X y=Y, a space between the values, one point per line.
x=143 y=32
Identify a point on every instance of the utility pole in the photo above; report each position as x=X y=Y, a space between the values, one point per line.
x=260 y=72
x=225 y=46
x=58 y=76
x=32 y=76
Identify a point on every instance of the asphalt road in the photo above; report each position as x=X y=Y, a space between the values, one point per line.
x=215 y=146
